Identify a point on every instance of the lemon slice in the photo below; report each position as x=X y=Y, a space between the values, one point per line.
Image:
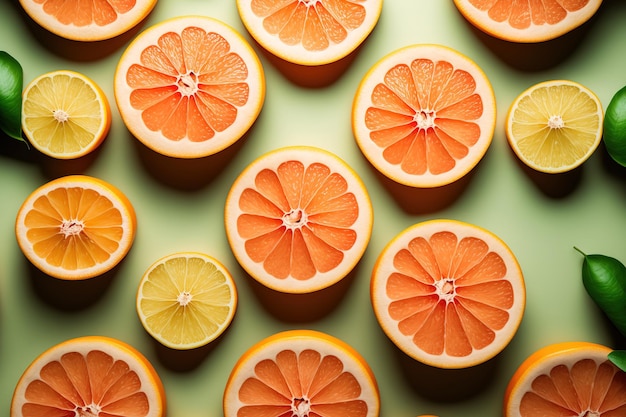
x=186 y=300
x=65 y=114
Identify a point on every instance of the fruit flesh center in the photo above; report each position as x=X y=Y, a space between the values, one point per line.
x=425 y=119
x=445 y=289
x=556 y=122
x=88 y=411
x=184 y=298
x=71 y=227
x=188 y=83
x=590 y=414
x=300 y=407
x=295 y=218
x=60 y=116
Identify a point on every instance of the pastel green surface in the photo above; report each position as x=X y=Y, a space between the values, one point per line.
x=540 y=218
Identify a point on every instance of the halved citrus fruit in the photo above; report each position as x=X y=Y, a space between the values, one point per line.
x=301 y=373
x=310 y=33
x=76 y=227
x=554 y=126
x=89 y=376
x=189 y=87
x=65 y=114
x=186 y=300
x=298 y=219
x=567 y=379
x=449 y=294
x=424 y=115
x=527 y=21
x=81 y=20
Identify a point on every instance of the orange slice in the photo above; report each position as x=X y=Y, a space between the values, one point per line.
x=75 y=227
x=555 y=126
x=449 y=294
x=90 y=20
x=89 y=376
x=424 y=115
x=186 y=300
x=527 y=21
x=298 y=219
x=567 y=379
x=301 y=373
x=65 y=114
x=308 y=32
x=189 y=87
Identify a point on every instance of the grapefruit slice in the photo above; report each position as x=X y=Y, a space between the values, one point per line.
x=449 y=294
x=298 y=219
x=76 y=227
x=527 y=21
x=186 y=300
x=189 y=87
x=88 y=20
x=424 y=115
x=567 y=379
x=301 y=373
x=89 y=376
x=311 y=33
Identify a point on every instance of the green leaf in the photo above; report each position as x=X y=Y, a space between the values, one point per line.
x=618 y=357
x=11 y=85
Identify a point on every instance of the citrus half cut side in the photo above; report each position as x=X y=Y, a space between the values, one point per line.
x=298 y=219
x=76 y=227
x=186 y=300
x=448 y=294
x=189 y=87
x=301 y=373
x=89 y=376
x=424 y=115
x=567 y=379
x=79 y=20
x=311 y=33
x=65 y=114
x=527 y=21
x=555 y=126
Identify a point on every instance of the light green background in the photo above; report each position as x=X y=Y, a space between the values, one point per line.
x=540 y=217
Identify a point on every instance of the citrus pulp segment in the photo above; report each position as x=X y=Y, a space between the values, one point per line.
x=567 y=379
x=75 y=227
x=449 y=294
x=88 y=21
x=189 y=87
x=527 y=21
x=186 y=300
x=424 y=115
x=89 y=376
x=554 y=126
x=298 y=219
x=65 y=114
x=311 y=33
x=301 y=373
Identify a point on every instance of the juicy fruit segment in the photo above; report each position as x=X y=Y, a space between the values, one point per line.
x=614 y=128
x=88 y=20
x=189 y=87
x=298 y=219
x=567 y=379
x=527 y=21
x=555 y=126
x=310 y=32
x=424 y=115
x=186 y=300
x=89 y=376
x=448 y=294
x=65 y=114
x=301 y=373
x=75 y=227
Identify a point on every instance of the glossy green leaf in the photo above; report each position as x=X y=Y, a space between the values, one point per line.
x=11 y=85
x=618 y=357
